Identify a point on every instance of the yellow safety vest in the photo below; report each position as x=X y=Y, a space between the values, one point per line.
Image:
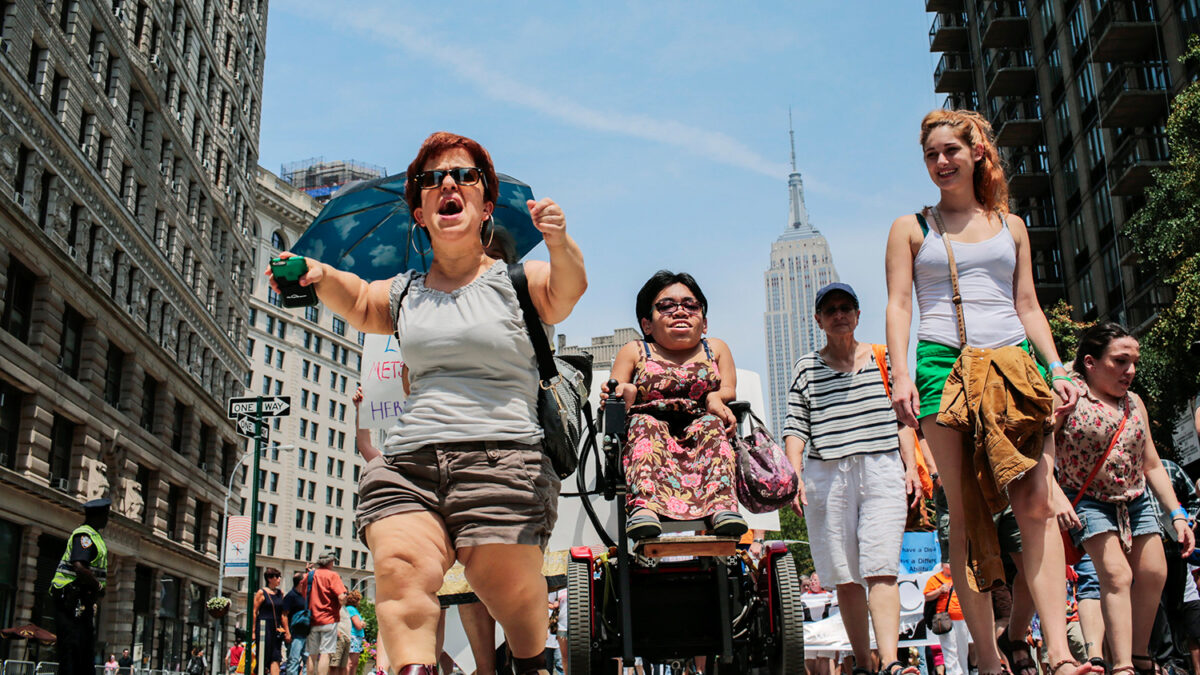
x=65 y=573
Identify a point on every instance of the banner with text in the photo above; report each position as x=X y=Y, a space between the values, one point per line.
x=382 y=382
x=237 y=546
x=920 y=558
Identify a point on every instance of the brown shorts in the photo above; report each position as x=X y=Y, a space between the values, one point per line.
x=486 y=492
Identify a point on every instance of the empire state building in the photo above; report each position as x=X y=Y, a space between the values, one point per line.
x=800 y=265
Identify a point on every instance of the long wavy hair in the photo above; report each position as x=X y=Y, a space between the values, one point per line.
x=991 y=185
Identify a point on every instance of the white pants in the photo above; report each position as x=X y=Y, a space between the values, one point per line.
x=855 y=514
x=954 y=648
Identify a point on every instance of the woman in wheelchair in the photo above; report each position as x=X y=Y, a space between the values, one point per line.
x=679 y=460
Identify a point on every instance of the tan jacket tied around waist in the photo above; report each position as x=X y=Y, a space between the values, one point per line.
x=1002 y=404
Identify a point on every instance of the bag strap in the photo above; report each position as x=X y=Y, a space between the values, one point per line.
x=396 y=318
x=957 y=297
x=881 y=361
x=1111 y=444
x=312 y=576
x=533 y=325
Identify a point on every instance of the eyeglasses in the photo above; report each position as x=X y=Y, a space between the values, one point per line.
x=463 y=175
x=271 y=576
x=830 y=310
x=667 y=306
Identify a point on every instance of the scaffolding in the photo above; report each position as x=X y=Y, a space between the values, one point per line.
x=321 y=179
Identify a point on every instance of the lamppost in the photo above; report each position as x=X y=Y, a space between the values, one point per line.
x=225 y=527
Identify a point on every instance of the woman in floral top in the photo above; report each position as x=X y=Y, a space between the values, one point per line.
x=1115 y=520
x=679 y=460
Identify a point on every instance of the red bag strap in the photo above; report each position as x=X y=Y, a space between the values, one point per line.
x=1111 y=444
x=881 y=361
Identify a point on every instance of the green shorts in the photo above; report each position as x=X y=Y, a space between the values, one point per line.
x=934 y=363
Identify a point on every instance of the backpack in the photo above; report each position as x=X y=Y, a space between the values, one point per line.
x=301 y=621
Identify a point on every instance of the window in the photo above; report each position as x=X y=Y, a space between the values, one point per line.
x=337 y=527
x=308 y=519
x=316 y=372
x=308 y=340
x=274 y=485
x=304 y=366
x=341 y=467
x=301 y=455
x=340 y=493
x=278 y=388
x=328 y=524
x=341 y=412
x=329 y=466
x=1095 y=146
x=308 y=550
x=149 y=402
x=312 y=313
x=331 y=436
x=18 y=300
x=1086 y=86
x=272 y=511
x=200 y=527
x=333 y=380
x=303 y=427
x=72 y=341
x=328 y=495
x=62 y=433
x=299 y=518
x=316 y=401
x=114 y=365
x=332 y=409
x=270 y=544
x=354 y=501
x=342 y=384
x=250 y=347
x=273 y=298
x=300 y=489
x=303 y=400
x=342 y=440
x=1087 y=299
x=312 y=489
x=253 y=316
x=312 y=461
x=281 y=329
x=339 y=326
x=297 y=550
x=10 y=425
x=177 y=428
x=268 y=354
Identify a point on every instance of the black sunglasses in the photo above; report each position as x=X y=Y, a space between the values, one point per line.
x=463 y=175
x=667 y=306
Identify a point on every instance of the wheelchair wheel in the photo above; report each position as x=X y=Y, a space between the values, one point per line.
x=790 y=657
x=579 y=618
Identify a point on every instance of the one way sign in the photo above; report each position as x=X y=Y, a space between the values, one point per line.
x=245 y=427
x=273 y=406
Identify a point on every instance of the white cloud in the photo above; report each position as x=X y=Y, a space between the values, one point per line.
x=389 y=27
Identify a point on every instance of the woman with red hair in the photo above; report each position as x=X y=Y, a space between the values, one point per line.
x=462 y=475
x=999 y=309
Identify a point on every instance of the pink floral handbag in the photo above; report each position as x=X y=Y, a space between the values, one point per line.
x=766 y=480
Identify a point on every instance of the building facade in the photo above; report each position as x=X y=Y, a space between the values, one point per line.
x=128 y=132
x=800 y=265
x=1077 y=92
x=603 y=348
x=320 y=179
x=308 y=479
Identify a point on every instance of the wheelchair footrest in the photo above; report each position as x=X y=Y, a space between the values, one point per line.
x=704 y=545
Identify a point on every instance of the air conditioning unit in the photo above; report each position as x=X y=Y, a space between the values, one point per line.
x=71 y=253
x=59 y=484
x=133 y=125
x=237 y=77
x=204 y=466
x=162 y=168
x=228 y=190
x=155 y=61
x=179 y=116
x=244 y=18
x=19 y=197
x=119 y=14
x=4 y=45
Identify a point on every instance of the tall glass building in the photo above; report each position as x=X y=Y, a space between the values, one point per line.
x=800 y=265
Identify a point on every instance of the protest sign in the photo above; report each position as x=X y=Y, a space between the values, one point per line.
x=382 y=385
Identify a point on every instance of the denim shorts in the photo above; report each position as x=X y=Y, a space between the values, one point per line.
x=1088 y=586
x=1099 y=517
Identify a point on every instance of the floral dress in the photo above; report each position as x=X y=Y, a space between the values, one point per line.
x=679 y=462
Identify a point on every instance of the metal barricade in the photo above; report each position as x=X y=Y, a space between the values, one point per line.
x=46 y=668
x=14 y=667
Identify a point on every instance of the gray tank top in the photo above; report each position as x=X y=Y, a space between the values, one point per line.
x=472 y=368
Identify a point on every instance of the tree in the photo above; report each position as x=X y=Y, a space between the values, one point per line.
x=1065 y=329
x=1165 y=234
x=367 y=609
x=794 y=528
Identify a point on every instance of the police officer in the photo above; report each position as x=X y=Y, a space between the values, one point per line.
x=76 y=588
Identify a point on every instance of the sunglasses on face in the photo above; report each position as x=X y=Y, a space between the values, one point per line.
x=668 y=306
x=468 y=175
x=830 y=310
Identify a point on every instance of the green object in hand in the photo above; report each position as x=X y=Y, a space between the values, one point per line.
x=287 y=273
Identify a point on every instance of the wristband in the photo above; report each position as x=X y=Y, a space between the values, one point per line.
x=1056 y=364
x=760 y=541
x=1064 y=378
x=1179 y=512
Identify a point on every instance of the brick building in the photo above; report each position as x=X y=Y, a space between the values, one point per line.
x=128 y=138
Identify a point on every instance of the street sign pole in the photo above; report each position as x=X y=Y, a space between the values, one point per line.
x=251 y=573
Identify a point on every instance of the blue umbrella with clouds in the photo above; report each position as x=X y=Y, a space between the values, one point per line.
x=367 y=228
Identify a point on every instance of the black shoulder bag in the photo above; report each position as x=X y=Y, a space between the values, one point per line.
x=563 y=385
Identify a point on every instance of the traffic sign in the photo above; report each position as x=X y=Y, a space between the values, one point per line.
x=245 y=427
x=272 y=406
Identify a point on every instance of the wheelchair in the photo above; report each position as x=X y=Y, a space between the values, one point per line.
x=647 y=602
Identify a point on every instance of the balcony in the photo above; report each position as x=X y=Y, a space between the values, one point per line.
x=1009 y=72
x=948 y=32
x=967 y=100
x=943 y=5
x=1003 y=23
x=1129 y=170
x=1135 y=95
x=1124 y=30
x=1017 y=121
x=954 y=73
x=1029 y=173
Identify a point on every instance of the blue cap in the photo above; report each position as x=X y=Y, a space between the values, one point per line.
x=836 y=286
x=97 y=505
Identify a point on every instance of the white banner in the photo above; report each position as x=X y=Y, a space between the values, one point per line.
x=382 y=384
x=1187 y=445
x=237 y=546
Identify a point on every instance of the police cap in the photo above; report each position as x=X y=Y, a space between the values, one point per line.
x=97 y=505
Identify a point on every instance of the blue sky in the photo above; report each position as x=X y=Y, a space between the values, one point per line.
x=661 y=127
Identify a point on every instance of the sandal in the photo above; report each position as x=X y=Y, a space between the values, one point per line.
x=728 y=524
x=1055 y=668
x=1108 y=669
x=1017 y=654
x=643 y=525
x=891 y=669
x=1152 y=670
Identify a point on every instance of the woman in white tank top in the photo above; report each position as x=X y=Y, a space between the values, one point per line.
x=991 y=248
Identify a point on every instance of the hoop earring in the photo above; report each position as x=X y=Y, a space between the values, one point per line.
x=491 y=232
x=412 y=239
